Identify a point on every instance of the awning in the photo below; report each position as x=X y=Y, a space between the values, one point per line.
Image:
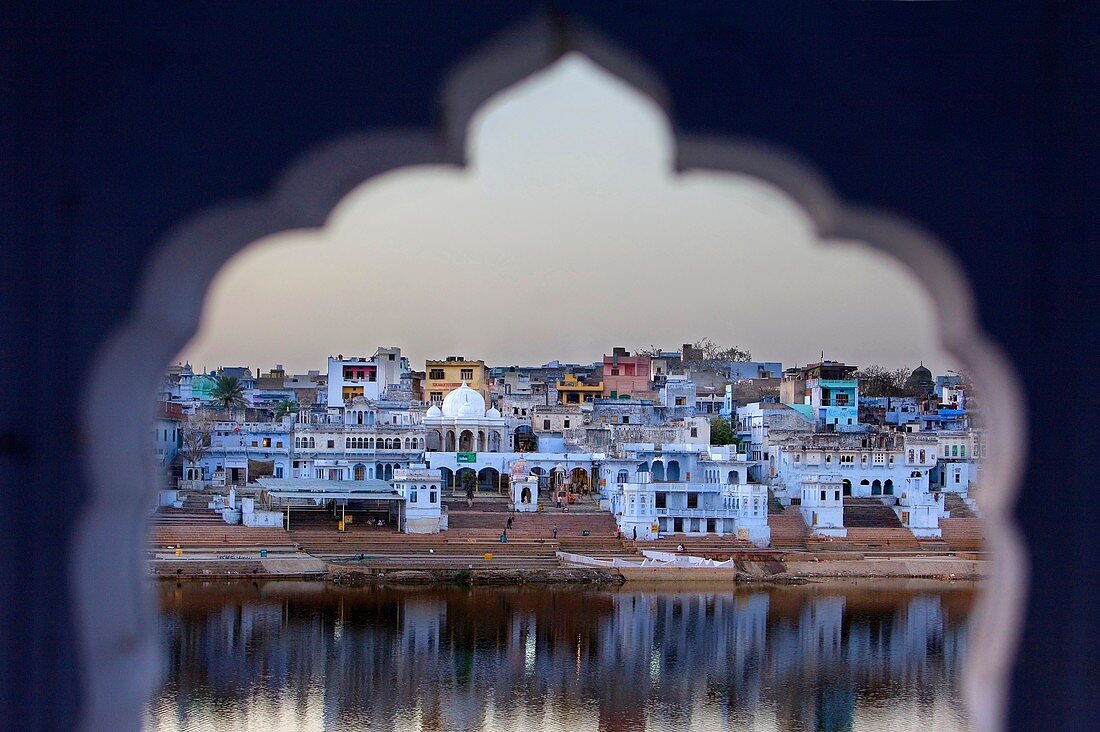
x=371 y=489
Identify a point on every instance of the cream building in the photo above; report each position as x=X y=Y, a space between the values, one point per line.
x=442 y=377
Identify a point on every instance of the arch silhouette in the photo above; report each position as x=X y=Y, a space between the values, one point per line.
x=114 y=610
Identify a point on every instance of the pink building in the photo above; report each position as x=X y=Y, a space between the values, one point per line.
x=625 y=375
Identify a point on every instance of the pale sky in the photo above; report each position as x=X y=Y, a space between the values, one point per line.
x=568 y=235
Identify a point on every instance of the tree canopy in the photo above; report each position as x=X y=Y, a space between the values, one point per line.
x=879 y=381
x=228 y=393
x=285 y=407
x=721 y=432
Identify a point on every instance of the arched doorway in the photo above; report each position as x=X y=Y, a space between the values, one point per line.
x=447 y=478
x=657 y=471
x=451 y=444
x=846 y=485
x=888 y=488
x=466 y=441
x=733 y=477
x=359 y=472
x=467 y=479
x=672 y=474
x=488 y=479
x=557 y=477
x=542 y=477
x=579 y=478
x=876 y=488
x=523 y=439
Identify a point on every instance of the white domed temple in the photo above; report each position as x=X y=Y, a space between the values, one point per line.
x=463 y=424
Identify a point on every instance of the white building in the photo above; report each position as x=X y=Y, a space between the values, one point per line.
x=351 y=377
x=754 y=424
x=660 y=490
x=462 y=424
x=822 y=504
x=422 y=490
x=869 y=464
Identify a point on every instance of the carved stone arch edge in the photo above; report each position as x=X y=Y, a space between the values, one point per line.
x=114 y=613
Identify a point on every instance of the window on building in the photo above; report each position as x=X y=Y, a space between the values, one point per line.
x=694 y=431
x=267 y=442
x=412 y=496
x=661 y=500
x=331 y=444
x=822 y=495
x=957 y=477
x=467 y=374
x=433 y=497
x=626 y=419
x=693 y=500
x=567 y=423
x=546 y=424
x=436 y=374
x=278 y=443
x=681 y=401
x=255 y=444
x=437 y=396
x=797 y=458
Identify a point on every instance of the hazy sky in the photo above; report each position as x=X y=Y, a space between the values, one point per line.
x=567 y=235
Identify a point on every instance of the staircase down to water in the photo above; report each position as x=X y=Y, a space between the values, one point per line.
x=789 y=530
x=869 y=513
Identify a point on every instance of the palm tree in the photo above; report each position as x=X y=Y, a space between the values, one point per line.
x=228 y=393
x=285 y=407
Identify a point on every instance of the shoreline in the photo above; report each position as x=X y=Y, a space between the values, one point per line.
x=800 y=569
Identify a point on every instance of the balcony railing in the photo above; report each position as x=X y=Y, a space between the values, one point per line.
x=700 y=513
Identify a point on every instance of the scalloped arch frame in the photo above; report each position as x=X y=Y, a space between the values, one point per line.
x=119 y=650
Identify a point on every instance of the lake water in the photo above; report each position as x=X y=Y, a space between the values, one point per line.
x=309 y=656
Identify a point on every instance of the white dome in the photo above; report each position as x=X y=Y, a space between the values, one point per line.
x=493 y=413
x=464 y=402
x=434 y=411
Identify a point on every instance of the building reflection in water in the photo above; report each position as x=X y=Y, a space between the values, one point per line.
x=286 y=655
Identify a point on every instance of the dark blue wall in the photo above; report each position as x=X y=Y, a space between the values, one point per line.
x=975 y=119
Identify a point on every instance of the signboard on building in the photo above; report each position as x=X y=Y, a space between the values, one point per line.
x=467 y=457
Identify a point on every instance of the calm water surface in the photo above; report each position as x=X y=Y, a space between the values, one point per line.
x=308 y=656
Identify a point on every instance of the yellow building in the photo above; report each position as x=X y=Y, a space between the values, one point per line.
x=443 y=377
x=573 y=391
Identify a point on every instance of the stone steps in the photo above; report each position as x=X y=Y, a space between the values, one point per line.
x=788 y=529
x=958 y=508
x=869 y=513
x=963 y=534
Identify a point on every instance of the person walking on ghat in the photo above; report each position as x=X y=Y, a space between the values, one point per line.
x=555 y=531
x=509 y=522
x=634 y=531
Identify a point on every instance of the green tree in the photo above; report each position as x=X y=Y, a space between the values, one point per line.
x=285 y=407
x=228 y=393
x=721 y=432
